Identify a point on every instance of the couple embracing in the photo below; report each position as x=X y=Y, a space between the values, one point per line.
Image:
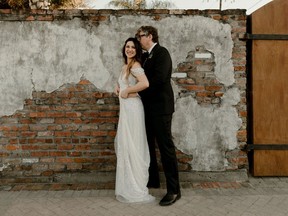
x=146 y=107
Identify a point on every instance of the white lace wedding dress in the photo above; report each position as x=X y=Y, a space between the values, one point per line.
x=131 y=147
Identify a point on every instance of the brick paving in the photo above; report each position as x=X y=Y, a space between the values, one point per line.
x=257 y=197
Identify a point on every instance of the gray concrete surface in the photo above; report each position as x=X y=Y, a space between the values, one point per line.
x=257 y=197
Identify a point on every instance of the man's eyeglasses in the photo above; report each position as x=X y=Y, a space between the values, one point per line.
x=140 y=36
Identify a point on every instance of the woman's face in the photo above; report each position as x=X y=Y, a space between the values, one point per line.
x=130 y=49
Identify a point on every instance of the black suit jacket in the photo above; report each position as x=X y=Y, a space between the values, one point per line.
x=158 y=98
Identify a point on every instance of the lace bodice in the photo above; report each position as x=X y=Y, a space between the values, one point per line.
x=124 y=82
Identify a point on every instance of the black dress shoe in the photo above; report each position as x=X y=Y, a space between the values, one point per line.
x=169 y=199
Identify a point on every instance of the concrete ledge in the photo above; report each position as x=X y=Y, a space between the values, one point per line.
x=228 y=176
x=95 y=177
x=106 y=181
x=190 y=177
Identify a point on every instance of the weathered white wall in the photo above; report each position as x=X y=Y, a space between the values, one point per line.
x=207 y=133
x=46 y=55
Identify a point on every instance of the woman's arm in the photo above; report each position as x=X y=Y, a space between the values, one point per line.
x=140 y=85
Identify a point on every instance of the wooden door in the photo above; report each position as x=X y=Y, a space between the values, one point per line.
x=270 y=89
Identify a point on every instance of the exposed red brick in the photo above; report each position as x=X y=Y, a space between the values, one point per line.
x=65 y=146
x=213 y=88
x=81 y=133
x=63 y=133
x=37 y=114
x=84 y=82
x=99 y=133
x=30 y=18
x=57 y=154
x=73 y=114
x=12 y=147
x=29 y=147
x=64 y=160
x=75 y=154
x=243 y=113
x=55 y=114
x=45 y=18
x=219 y=94
x=28 y=134
x=39 y=154
x=194 y=88
x=5 y=11
x=82 y=147
x=48 y=173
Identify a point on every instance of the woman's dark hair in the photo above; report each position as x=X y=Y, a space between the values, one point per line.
x=137 y=57
x=137 y=47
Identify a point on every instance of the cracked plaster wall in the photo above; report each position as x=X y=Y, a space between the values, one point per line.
x=45 y=55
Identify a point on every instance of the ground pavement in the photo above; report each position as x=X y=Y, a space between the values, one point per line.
x=258 y=196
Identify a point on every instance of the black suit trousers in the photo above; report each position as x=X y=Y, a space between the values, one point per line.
x=158 y=129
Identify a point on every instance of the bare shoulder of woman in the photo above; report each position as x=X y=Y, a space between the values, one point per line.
x=136 y=65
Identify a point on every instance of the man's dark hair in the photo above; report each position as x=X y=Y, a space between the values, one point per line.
x=149 y=30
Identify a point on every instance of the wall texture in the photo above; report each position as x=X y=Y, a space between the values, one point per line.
x=58 y=115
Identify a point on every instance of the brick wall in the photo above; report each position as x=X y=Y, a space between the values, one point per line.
x=72 y=129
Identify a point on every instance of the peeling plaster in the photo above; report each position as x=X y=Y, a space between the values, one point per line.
x=206 y=132
x=43 y=56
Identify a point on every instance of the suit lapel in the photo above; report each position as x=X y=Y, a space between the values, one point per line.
x=150 y=56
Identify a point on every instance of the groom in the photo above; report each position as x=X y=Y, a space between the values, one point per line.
x=158 y=101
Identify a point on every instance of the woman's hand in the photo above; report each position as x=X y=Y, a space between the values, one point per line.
x=124 y=94
x=117 y=90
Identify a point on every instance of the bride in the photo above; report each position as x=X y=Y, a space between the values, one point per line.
x=131 y=143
